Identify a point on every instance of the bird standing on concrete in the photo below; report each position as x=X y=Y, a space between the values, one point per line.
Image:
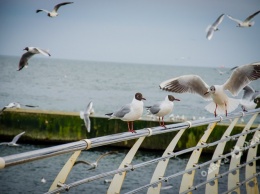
x=130 y=112
x=222 y=104
x=162 y=108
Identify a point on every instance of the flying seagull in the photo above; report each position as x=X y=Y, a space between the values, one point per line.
x=16 y=105
x=247 y=22
x=30 y=52
x=214 y=27
x=162 y=108
x=53 y=13
x=222 y=104
x=130 y=112
x=250 y=98
x=94 y=165
x=13 y=142
x=85 y=115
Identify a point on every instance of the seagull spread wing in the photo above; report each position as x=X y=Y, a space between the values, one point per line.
x=186 y=83
x=81 y=162
x=251 y=16
x=24 y=60
x=44 y=52
x=56 y=7
x=241 y=77
x=105 y=154
x=248 y=92
x=39 y=10
x=219 y=20
x=15 y=139
x=234 y=19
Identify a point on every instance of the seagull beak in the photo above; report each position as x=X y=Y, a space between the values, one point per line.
x=206 y=92
x=177 y=99
x=143 y=99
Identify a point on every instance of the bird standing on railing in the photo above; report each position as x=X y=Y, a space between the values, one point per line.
x=250 y=98
x=85 y=115
x=54 y=12
x=94 y=164
x=130 y=112
x=222 y=104
x=13 y=142
x=162 y=108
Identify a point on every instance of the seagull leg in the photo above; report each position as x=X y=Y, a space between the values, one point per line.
x=226 y=109
x=129 y=127
x=163 y=125
x=133 y=131
x=215 y=112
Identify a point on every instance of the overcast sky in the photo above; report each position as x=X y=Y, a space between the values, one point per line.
x=168 y=32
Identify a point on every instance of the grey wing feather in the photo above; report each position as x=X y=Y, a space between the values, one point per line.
x=56 y=7
x=105 y=154
x=186 y=83
x=248 y=92
x=219 y=20
x=24 y=60
x=122 y=112
x=81 y=162
x=241 y=77
x=15 y=139
x=251 y=16
x=155 y=108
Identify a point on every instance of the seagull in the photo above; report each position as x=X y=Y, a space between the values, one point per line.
x=15 y=105
x=11 y=105
x=162 y=108
x=222 y=104
x=130 y=112
x=94 y=164
x=13 y=142
x=250 y=98
x=43 y=180
x=85 y=115
x=214 y=27
x=30 y=52
x=247 y=22
x=53 y=13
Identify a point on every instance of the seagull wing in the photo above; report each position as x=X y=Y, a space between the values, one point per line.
x=15 y=139
x=87 y=122
x=44 y=52
x=24 y=60
x=122 y=111
x=251 y=16
x=210 y=31
x=234 y=19
x=105 y=154
x=241 y=77
x=248 y=92
x=186 y=83
x=39 y=10
x=56 y=7
x=89 y=108
x=81 y=162
x=219 y=20
x=155 y=108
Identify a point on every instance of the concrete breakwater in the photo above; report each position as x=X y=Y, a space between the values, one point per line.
x=47 y=127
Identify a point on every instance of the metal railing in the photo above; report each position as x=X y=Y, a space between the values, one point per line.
x=187 y=184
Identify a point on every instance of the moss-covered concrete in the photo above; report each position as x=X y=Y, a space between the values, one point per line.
x=60 y=127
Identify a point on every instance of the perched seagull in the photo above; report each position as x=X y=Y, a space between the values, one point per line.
x=13 y=142
x=94 y=164
x=53 y=13
x=222 y=104
x=214 y=27
x=11 y=105
x=85 y=115
x=130 y=112
x=15 y=105
x=162 y=108
x=247 y=22
x=250 y=98
x=30 y=52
